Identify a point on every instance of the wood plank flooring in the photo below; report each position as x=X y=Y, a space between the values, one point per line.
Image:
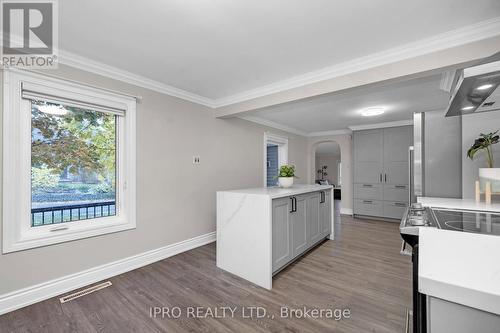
x=361 y=270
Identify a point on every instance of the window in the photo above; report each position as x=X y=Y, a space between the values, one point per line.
x=275 y=155
x=69 y=155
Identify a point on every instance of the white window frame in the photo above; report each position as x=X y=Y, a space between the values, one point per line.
x=282 y=143
x=17 y=231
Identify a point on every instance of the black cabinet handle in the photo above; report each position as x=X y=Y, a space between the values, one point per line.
x=322 y=197
x=400 y=186
x=294 y=204
x=367 y=201
x=367 y=185
x=381 y=178
x=385 y=175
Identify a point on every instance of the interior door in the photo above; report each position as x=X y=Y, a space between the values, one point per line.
x=368 y=156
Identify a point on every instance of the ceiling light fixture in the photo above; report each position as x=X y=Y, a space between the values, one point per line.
x=484 y=86
x=465 y=108
x=52 y=109
x=373 y=111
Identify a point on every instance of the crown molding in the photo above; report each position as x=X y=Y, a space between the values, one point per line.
x=468 y=34
x=274 y=125
x=330 y=133
x=382 y=125
x=471 y=33
x=293 y=130
x=288 y=129
x=89 y=65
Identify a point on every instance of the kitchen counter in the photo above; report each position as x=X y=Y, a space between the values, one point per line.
x=278 y=192
x=465 y=204
x=255 y=226
x=460 y=267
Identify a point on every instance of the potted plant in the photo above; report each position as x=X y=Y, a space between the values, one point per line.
x=286 y=175
x=489 y=174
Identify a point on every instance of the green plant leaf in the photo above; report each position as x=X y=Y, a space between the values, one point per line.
x=484 y=142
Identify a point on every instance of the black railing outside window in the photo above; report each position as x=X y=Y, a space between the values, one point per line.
x=70 y=213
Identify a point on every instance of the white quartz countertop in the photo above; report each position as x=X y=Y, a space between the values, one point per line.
x=460 y=267
x=465 y=204
x=278 y=192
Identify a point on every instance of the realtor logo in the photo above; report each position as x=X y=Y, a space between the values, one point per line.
x=29 y=33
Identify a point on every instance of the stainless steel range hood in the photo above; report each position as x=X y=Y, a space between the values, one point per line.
x=477 y=90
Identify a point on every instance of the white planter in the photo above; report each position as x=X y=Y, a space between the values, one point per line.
x=491 y=175
x=285 y=182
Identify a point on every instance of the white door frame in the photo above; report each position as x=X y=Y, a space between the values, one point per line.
x=282 y=143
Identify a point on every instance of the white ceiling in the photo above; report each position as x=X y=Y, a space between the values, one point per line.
x=331 y=148
x=341 y=110
x=218 y=48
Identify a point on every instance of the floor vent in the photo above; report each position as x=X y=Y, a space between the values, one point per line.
x=85 y=291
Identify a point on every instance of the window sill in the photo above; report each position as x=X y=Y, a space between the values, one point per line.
x=43 y=236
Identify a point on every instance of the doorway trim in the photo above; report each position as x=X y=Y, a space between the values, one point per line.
x=282 y=143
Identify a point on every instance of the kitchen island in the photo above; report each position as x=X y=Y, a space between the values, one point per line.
x=261 y=230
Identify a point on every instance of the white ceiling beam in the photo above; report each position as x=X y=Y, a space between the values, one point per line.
x=446 y=51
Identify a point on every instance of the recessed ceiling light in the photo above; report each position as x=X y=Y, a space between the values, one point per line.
x=484 y=87
x=373 y=111
x=465 y=108
x=52 y=109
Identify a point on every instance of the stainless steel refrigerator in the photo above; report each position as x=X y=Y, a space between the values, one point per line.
x=436 y=156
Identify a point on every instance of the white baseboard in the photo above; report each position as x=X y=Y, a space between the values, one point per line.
x=26 y=296
x=346 y=211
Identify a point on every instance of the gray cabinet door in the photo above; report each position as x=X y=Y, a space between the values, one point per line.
x=325 y=210
x=368 y=207
x=394 y=209
x=282 y=245
x=313 y=221
x=368 y=191
x=396 y=192
x=396 y=143
x=368 y=156
x=299 y=226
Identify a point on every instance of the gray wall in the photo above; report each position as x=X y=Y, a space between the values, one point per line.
x=472 y=126
x=175 y=199
x=443 y=155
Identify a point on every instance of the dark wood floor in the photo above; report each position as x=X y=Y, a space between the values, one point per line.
x=361 y=270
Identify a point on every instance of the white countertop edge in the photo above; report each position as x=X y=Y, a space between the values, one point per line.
x=463 y=204
x=278 y=192
x=462 y=295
